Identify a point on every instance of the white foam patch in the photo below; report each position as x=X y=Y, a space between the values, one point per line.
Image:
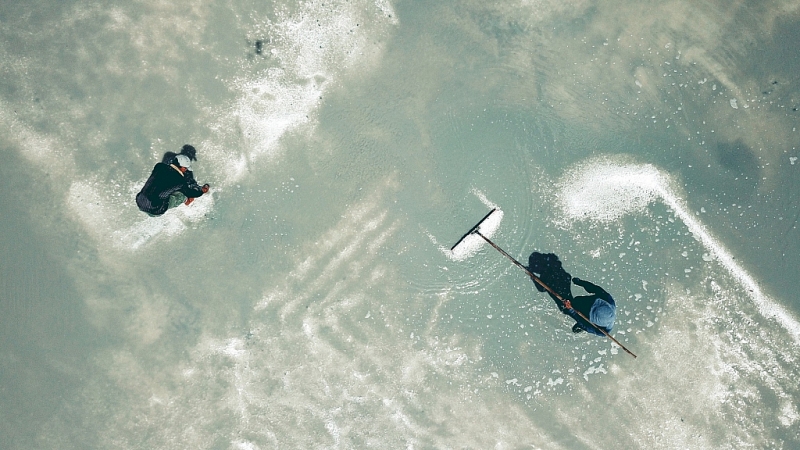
x=272 y=107
x=315 y=47
x=607 y=188
x=472 y=243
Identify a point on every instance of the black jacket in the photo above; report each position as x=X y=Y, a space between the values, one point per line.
x=164 y=181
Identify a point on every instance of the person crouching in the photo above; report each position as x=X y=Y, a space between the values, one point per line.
x=170 y=184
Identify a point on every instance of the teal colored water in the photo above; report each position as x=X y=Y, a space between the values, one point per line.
x=311 y=301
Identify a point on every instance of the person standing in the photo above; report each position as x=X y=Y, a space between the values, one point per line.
x=599 y=307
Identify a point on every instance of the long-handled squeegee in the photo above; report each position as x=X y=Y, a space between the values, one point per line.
x=476 y=230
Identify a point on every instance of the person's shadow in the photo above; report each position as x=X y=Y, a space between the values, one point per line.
x=548 y=268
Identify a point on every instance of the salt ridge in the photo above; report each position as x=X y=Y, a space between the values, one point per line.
x=605 y=189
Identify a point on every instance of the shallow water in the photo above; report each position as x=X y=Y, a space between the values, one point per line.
x=312 y=302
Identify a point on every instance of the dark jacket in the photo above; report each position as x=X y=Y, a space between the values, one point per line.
x=164 y=181
x=599 y=307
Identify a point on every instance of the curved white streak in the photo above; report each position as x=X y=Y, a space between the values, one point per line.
x=766 y=306
x=605 y=189
x=482 y=197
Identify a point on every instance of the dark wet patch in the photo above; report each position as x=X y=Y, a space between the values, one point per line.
x=259 y=47
x=499 y=27
x=738 y=158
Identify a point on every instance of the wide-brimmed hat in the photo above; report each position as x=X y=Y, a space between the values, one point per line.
x=603 y=314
